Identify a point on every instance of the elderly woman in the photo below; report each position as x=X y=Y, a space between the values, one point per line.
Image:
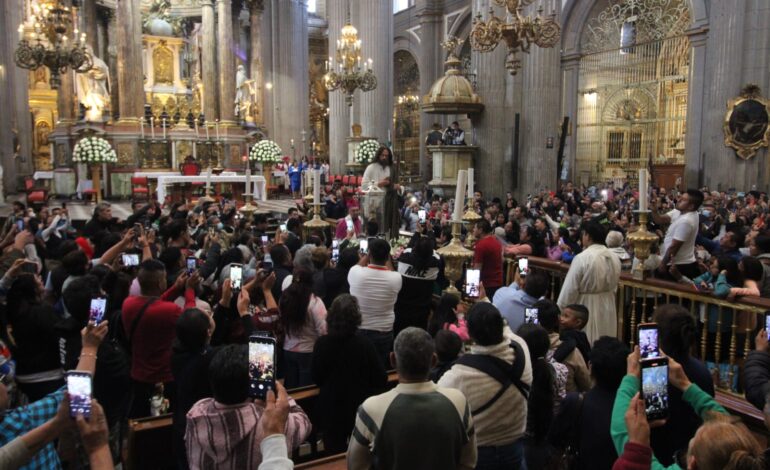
x=614 y=243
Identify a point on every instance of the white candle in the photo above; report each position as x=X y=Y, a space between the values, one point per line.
x=208 y=182
x=207 y=131
x=141 y=127
x=248 y=179
x=462 y=180
x=195 y=150
x=217 y=128
x=470 y=183
x=643 y=189
x=152 y=127
x=164 y=128
x=196 y=128
x=316 y=187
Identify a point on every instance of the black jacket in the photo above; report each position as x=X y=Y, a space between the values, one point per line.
x=756 y=374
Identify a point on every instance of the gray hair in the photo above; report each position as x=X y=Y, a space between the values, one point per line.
x=304 y=258
x=414 y=352
x=614 y=239
x=101 y=206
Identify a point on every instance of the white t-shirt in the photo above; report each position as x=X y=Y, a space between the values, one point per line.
x=684 y=227
x=376 y=289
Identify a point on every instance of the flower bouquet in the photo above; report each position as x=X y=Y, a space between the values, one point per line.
x=366 y=151
x=398 y=245
x=265 y=151
x=94 y=151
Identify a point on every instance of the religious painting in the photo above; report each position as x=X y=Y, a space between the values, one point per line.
x=746 y=123
x=42 y=151
x=163 y=65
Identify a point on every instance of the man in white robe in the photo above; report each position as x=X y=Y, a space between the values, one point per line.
x=592 y=280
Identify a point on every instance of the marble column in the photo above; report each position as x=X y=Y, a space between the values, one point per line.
x=111 y=57
x=569 y=105
x=89 y=23
x=65 y=96
x=256 y=73
x=502 y=95
x=541 y=112
x=226 y=60
x=209 y=66
x=339 y=111
x=429 y=14
x=290 y=73
x=130 y=73
x=376 y=34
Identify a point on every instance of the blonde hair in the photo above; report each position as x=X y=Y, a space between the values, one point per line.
x=723 y=443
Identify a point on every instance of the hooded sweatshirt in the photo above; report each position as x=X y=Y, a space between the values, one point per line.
x=228 y=437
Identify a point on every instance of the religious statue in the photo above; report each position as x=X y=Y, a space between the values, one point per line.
x=93 y=88
x=245 y=95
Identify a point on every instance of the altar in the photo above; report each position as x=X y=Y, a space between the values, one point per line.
x=258 y=183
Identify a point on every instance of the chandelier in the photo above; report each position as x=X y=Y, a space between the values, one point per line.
x=56 y=45
x=409 y=102
x=347 y=75
x=518 y=32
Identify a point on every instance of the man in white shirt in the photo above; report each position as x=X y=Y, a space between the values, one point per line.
x=375 y=285
x=679 y=243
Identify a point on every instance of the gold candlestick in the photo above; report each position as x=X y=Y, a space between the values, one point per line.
x=316 y=223
x=455 y=255
x=471 y=217
x=642 y=240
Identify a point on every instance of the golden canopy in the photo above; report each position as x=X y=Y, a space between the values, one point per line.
x=452 y=93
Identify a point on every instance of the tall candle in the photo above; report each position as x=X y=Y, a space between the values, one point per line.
x=462 y=180
x=217 y=128
x=248 y=180
x=643 y=189
x=152 y=127
x=207 y=132
x=164 y=128
x=195 y=150
x=470 y=183
x=141 y=127
x=196 y=129
x=316 y=187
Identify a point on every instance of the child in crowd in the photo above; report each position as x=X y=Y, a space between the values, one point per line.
x=448 y=347
x=572 y=320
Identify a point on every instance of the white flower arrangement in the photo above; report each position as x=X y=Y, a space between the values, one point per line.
x=94 y=150
x=265 y=151
x=366 y=151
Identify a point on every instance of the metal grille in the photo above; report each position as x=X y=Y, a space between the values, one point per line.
x=632 y=107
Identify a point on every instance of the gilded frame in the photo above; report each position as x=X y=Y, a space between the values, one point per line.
x=745 y=110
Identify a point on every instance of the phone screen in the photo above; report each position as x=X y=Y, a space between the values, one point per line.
x=655 y=387
x=283 y=227
x=472 y=279
x=20 y=224
x=530 y=315
x=261 y=366
x=192 y=264
x=79 y=390
x=335 y=244
x=421 y=215
x=767 y=325
x=648 y=341
x=523 y=265
x=349 y=223
x=236 y=276
x=97 y=309
x=364 y=244
x=335 y=254
x=130 y=259
x=264 y=239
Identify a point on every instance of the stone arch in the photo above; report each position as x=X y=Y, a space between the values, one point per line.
x=406 y=44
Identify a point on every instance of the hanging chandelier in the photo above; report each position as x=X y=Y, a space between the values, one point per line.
x=518 y=32
x=345 y=73
x=409 y=102
x=57 y=45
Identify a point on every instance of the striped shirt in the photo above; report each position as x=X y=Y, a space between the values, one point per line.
x=414 y=426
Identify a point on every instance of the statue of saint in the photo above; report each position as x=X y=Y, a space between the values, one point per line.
x=93 y=88
x=242 y=93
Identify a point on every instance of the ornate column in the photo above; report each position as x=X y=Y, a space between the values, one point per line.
x=89 y=23
x=429 y=13
x=570 y=67
x=209 y=66
x=130 y=79
x=339 y=111
x=256 y=9
x=226 y=60
x=376 y=33
x=541 y=106
x=290 y=73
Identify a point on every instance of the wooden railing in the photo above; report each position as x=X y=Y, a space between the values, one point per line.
x=723 y=349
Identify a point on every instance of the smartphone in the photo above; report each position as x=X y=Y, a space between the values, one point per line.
x=655 y=387
x=236 y=276
x=130 y=259
x=283 y=227
x=349 y=223
x=530 y=315
x=20 y=224
x=29 y=267
x=192 y=264
x=264 y=239
x=79 y=390
x=648 y=341
x=472 y=279
x=335 y=244
x=422 y=215
x=523 y=266
x=767 y=325
x=261 y=365
x=138 y=229
x=335 y=254
x=364 y=246
x=97 y=309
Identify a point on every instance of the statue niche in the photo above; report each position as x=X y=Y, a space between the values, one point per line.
x=163 y=65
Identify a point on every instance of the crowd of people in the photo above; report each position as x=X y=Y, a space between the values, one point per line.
x=506 y=380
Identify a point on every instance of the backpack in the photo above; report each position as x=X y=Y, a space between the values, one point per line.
x=498 y=369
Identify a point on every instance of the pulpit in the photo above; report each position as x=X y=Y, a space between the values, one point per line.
x=447 y=161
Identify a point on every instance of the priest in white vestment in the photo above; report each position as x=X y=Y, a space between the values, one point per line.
x=592 y=280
